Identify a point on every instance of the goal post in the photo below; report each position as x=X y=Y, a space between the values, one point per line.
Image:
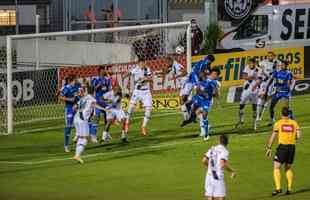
x=72 y=52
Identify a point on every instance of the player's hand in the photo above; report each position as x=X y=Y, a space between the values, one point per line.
x=233 y=174
x=268 y=152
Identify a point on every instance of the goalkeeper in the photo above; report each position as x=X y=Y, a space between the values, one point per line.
x=288 y=132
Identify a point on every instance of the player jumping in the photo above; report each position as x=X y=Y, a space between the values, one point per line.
x=68 y=94
x=114 y=113
x=283 y=81
x=85 y=111
x=142 y=77
x=216 y=159
x=202 y=101
x=250 y=91
x=102 y=84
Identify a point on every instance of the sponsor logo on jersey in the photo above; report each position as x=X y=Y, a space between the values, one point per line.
x=287 y=128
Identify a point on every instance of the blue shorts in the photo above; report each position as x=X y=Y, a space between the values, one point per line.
x=69 y=116
x=281 y=95
x=202 y=103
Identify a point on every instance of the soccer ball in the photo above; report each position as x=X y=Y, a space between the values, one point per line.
x=179 y=49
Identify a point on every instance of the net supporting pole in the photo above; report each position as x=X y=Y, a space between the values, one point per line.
x=9 y=85
x=37 y=51
x=189 y=48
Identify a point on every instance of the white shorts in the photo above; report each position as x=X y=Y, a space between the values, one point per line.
x=144 y=96
x=186 y=89
x=263 y=89
x=117 y=114
x=81 y=126
x=214 y=188
x=248 y=95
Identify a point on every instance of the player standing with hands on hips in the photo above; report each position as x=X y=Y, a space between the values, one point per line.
x=288 y=133
x=216 y=160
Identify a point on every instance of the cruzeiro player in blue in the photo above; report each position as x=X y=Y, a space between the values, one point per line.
x=69 y=94
x=102 y=85
x=199 y=70
x=283 y=81
x=202 y=101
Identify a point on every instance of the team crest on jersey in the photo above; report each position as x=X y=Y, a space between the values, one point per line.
x=287 y=128
x=238 y=9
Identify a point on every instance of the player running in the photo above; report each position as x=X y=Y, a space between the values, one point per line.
x=180 y=75
x=114 y=113
x=216 y=160
x=102 y=84
x=288 y=133
x=142 y=77
x=68 y=94
x=283 y=82
x=268 y=66
x=202 y=101
x=250 y=92
x=85 y=111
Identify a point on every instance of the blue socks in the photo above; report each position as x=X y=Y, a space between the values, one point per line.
x=205 y=126
x=67 y=136
x=93 y=129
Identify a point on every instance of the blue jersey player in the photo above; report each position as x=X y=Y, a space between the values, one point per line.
x=202 y=101
x=68 y=94
x=283 y=80
x=199 y=71
x=102 y=84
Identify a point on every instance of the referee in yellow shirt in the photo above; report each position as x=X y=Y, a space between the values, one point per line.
x=288 y=132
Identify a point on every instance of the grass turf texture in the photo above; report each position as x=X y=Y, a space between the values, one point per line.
x=164 y=165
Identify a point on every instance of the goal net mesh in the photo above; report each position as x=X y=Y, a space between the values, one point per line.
x=40 y=66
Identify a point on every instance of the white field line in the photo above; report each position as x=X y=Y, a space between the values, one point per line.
x=167 y=144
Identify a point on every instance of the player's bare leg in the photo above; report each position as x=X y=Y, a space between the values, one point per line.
x=184 y=108
x=254 y=107
x=131 y=109
x=146 y=119
x=124 y=136
x=241 y=116
x=106 y=135
x=80 y=147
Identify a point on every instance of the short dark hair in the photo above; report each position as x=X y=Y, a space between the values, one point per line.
x=271 y=52
x=70 y=78
x=285 y=111
x=211 y=58
x=224 y=140
x=100 y=68
x=216 y=69
x=253 y=60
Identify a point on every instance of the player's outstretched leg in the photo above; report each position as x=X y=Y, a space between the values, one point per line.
x=67 y=130
x=241 y=115
x=205 y=126
x=273 y=104
x=105 y=135
x=146 y=119
x=192 y=116
x=80 y=147
x=254 y=107
x=124 y=136
x=184 y=107
x=131 y=109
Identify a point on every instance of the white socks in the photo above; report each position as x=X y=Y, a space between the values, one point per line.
x=80 y=146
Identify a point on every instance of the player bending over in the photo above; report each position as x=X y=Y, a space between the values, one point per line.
x=68 y=94
x=114 y=113
x=250 y=91
x=102 y=85
x=85 y=111
x=283 y=81
x=202 y=101
x=180 y=75
x=288 y=133
x=268 y=66
x=142 y=77
x=216 y=160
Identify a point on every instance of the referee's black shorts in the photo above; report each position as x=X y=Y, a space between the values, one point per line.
x=285 y=154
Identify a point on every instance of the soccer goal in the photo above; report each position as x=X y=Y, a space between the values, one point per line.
x=34 y=68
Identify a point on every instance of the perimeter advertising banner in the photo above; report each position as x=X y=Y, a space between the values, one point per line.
x=164 y=87
x=232 y=64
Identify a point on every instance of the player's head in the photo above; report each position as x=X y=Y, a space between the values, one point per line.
x=91 y=90
x=285 y=111
x=271 y=56
x=223 y=140
x=284 y=64
x=210 y=58
x=102 y=71
x=71 y=79
x=170 y=61
x=82 y=91
x=109 y=70
x=252 y=63
x=214 y=73
x=142 y=63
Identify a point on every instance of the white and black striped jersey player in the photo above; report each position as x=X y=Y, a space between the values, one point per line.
x=142 y=77
x=250 y=92
x=85 y=111
x=266 y=86
x=180 y=75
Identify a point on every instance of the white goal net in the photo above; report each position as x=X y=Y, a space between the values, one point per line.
x=34 y=68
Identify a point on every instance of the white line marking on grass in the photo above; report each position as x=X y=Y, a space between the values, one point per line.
x=167 y=144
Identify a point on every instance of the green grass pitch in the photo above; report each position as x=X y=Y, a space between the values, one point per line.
x=165 y=165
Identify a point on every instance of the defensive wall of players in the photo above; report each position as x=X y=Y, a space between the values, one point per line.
x=30 y=87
